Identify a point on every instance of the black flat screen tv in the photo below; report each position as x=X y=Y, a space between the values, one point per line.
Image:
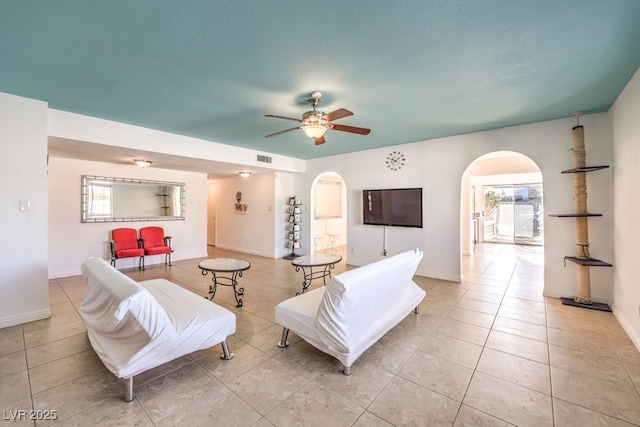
x=400 y=207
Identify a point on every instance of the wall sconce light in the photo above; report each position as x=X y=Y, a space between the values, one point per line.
x=143 y=163
x=244 y=174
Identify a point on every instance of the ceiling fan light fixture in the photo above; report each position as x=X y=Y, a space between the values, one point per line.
x=315 y=123
x=314 y=131
x=142 y=163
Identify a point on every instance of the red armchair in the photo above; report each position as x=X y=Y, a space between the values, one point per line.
x=155 y=242
x=125 y=244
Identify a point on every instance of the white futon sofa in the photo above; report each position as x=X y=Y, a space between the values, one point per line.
x=136 y=326
x=355 y=309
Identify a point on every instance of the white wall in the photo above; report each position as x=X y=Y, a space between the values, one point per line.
x=511 y=163
x=367 y=170
x=71 y=242
x=626 y=207
x=23 y=171
x=253 y=231
x=92 y=130
x=438 y=166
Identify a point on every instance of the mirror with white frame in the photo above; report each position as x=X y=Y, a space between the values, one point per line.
x=107 y=199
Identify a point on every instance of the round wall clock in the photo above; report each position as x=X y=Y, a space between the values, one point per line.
x=395 y=160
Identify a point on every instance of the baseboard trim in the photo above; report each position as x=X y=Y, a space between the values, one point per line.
x=126 y=263
x=246 y=251
x=635 y=338
x=439 y=275
x=25 y=318
x=419 y=272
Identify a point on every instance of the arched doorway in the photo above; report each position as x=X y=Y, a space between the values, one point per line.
x=502 y=201
x=328 y=205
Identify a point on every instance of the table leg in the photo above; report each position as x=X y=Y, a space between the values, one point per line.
x=238 y=291
x=327 y=272
x=232 y=281
x=213 y=287
x=310 y=275
x=307 y=278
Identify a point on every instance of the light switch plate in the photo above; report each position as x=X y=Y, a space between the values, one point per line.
x=24 y=205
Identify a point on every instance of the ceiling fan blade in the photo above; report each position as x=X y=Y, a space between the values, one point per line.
x=281 y=132
x=273 y=116
x=338 y=114
x=320 y=140
x=352 y=129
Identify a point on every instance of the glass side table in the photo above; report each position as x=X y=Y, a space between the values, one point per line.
x=317 y=266
x=217 y=267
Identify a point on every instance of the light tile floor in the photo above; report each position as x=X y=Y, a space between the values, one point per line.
x=490 y=351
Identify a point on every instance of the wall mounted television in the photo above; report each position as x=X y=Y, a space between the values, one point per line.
x=400 y=207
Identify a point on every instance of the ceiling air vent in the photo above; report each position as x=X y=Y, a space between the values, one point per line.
x=264 y=159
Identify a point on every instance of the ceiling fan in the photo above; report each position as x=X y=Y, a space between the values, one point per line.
x=315 y=123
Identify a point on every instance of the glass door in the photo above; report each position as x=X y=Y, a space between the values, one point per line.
x=528 y=214
x=498 y=213
x=513 y=214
